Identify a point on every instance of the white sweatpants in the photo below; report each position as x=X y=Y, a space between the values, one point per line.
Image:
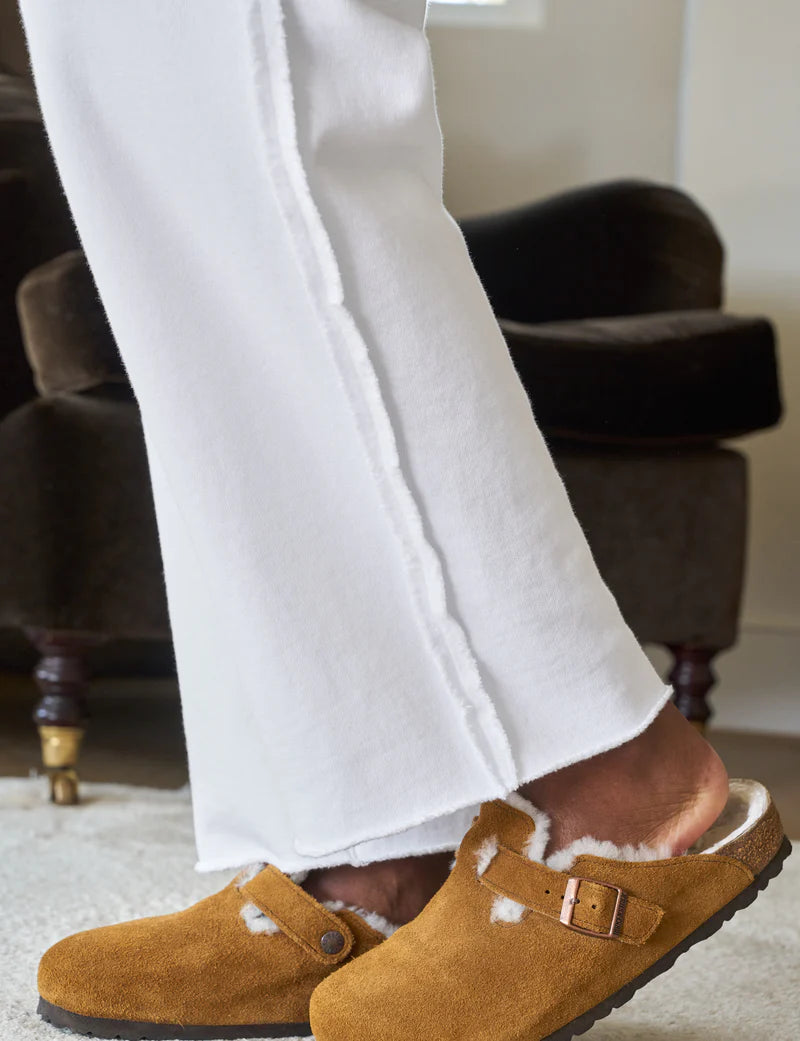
x=384 y=611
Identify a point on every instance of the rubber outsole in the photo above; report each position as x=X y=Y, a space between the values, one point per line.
x=582 y=1023
x=125 y=1030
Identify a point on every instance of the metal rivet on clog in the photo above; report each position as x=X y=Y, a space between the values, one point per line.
x=332 y=942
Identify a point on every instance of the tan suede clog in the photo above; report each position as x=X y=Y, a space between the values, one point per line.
x=515 y=949
x=240 y=964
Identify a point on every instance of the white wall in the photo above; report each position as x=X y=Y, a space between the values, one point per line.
x=591 y=95
x=740 y=154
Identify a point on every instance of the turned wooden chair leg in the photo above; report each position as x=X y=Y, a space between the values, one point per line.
x=62 y=675
x=692 y=677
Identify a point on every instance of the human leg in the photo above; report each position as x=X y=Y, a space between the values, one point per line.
x=363 y=534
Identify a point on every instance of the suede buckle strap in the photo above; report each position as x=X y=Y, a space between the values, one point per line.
x=317 y=930
x=584 y=905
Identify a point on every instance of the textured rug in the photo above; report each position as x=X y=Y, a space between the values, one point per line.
x=128 y=852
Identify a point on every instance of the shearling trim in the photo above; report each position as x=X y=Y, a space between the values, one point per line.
x=247 y=874
x=562 y=860
x=537 y=841
x=587 y=846
x=519 y=802
x=747 y=801
x=257 y=922
x=504 y=909
x=372 y=918
x=254 y=917
x=485 y=854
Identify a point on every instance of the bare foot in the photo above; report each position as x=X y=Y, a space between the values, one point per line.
x=665 y=787
x=396 y=889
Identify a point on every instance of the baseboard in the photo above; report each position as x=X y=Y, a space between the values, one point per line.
x=759 y=681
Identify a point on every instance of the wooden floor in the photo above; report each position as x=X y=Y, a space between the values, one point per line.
x=135 y=737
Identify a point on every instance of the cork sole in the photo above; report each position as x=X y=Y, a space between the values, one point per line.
x=583 y=1023
x=125 y=1030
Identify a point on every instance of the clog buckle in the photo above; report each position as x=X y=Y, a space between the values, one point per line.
x=571 y=900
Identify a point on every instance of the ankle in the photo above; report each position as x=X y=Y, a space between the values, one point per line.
x=664 y=788
x=395 y=889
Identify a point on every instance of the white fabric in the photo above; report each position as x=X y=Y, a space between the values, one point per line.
x=384 y=611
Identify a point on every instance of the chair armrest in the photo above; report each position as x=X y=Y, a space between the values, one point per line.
x=66 y=334
x=626 y=247
x=16 y=384
x=78 y=543
x=672 y=378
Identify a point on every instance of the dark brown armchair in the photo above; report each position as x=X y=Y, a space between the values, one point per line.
x=610 y=300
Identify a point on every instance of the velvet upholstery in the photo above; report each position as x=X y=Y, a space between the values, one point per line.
x=16 y=382
x=24 y=147
x=78 y=542
x=609 y=299
x=673 y=377
x=625 y=247
x=35 y=224
x=69 y=344
x=668 y=531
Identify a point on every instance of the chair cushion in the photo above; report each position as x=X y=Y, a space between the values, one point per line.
x=67 y=338
x=679 y=376
x=78 y=543
x=668 y=530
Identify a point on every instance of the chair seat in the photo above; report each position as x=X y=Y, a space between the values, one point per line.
x=679 y=376
x=668 y=530
x=78 y=543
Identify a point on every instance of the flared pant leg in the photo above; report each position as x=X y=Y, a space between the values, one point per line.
x=384 y=610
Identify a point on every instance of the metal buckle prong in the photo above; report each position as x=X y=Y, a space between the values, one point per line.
x=571 y=900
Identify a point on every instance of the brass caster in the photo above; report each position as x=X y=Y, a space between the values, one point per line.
x=60 y=749
x=64 y=788
x=60 y=746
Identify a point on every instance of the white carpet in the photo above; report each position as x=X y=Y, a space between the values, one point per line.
x=128 y=852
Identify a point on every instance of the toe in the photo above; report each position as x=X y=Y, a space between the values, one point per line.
x=65 y=972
